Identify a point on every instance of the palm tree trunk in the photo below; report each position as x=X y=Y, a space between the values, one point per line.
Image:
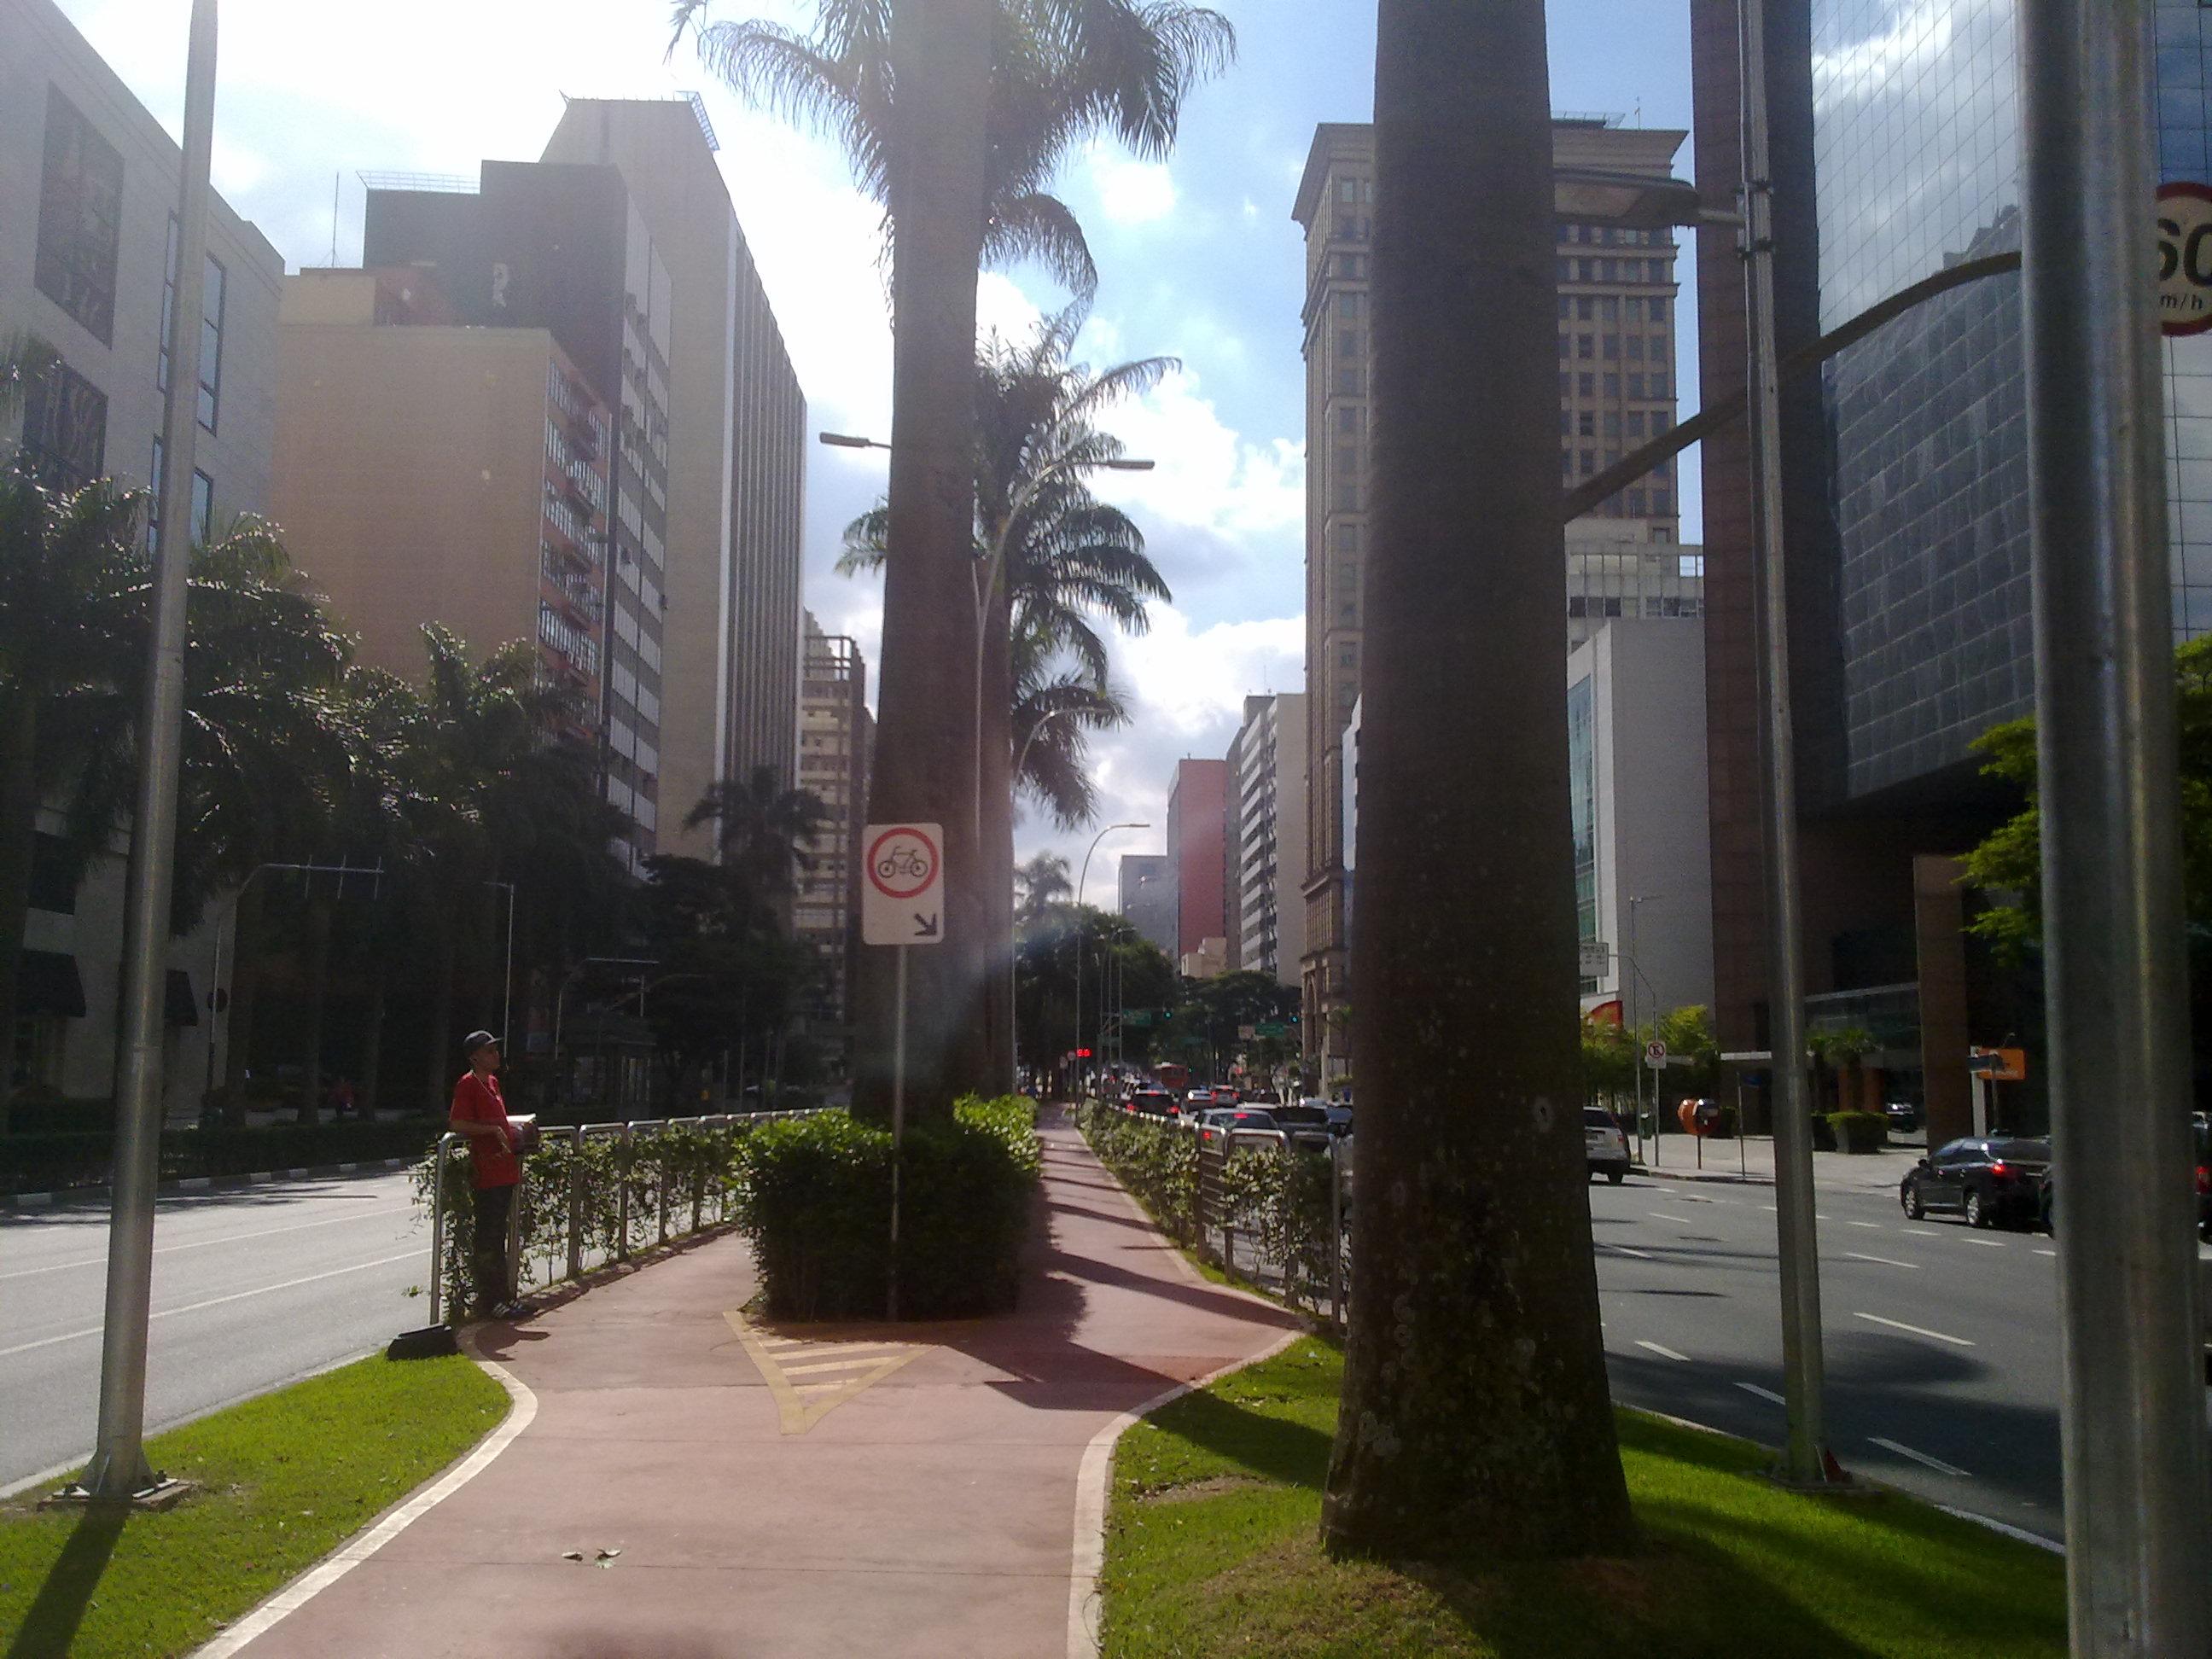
x=244 y=995
x=311 y=1035
x=1476 y=1415
x=372 y=1050
x=998 y=839
x=925 y=767
x=19 y=834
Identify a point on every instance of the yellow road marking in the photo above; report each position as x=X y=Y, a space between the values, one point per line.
x=800 y=1406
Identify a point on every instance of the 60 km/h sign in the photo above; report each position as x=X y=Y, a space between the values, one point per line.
x=901 y=900
x=2184 y=257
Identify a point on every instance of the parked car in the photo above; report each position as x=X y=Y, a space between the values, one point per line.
x=1904 y=1117
x=1604 y=1147
x=1984 y=1179
x=1340 y=1118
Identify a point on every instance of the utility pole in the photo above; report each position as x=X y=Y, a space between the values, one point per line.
x=119 y=1472
x=2138 y=1557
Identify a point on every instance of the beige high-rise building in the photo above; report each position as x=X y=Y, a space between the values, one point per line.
x=1617 y=388
x=836 y=734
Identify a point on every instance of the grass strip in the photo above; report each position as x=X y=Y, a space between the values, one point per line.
x=1210 y=1549
x=280 y=1481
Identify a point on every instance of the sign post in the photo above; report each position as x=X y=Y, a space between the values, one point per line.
x=902 y=904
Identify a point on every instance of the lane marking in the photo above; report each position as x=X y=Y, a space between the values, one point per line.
x=218 y=1301
x=1917 y=1330
x=1763 y=1394
x=800 y=1406
x=1986 y=1244
x=316 y=1579
x=1920 y=1233
x=1770 y=1209
x=2046 y=1253
x=1859 y=1255
x=202 y=1243
x=1641 y=1255
x=1871 y=1226
x=1662 y=1215
x=1663 y=1352
x=1922 y=1457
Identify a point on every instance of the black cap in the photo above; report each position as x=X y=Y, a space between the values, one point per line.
x=476 y=1040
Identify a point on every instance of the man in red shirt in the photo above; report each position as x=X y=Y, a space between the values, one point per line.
x=480 y=1113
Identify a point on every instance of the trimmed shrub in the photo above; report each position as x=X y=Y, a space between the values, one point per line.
x=816 y=1202
x=1157 y=1163
x=1858 y=1132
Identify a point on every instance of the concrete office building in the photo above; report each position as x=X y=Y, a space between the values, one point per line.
x=736 y=463
x=1896 y=151
x=1266 y=845
x=1146 y=889
x=1636 y=767
x=835 y=736
x=1198 y=850
x=1619 y=576
x=1617 y=388
x=87 y=194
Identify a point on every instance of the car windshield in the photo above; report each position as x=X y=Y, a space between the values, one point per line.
x=1596 y=1117
x=2022 y=1151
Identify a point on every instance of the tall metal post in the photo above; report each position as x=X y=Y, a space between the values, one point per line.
x=1806 y=1457
x=2139 y=1559
x=119 y=1469
x=898 y=1126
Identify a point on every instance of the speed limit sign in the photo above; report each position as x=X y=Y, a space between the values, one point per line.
x=2184 y=257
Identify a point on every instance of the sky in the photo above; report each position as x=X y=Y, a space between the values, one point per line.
x=1198 y=255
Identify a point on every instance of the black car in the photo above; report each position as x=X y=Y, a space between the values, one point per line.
x=1985 y=1178
x=1150 y=1102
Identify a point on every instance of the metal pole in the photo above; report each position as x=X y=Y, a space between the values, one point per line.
x=2139 y=1558
x=118 y=1467
x=438 y=1232
x=1807 y=1460
x=898 y=1123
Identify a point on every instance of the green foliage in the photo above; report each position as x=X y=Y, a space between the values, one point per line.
x=1157 y=1164
x=280 y=1481
x=2009 y=859
x=1609 y=1060
x=1858 y=1132
x=816 y=1203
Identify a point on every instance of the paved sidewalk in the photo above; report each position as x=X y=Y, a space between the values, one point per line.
x=1831 y=1171
x=878 y=1490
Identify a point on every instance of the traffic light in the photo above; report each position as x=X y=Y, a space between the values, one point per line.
x=1083 y=1053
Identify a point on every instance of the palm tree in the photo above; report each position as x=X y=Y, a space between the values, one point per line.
x=1475 y=1420
x=764 y=832
x=70 y=568
x=1040 y=884
x=1062 y=72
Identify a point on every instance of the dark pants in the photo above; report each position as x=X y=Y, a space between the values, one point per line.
x=489 y=1265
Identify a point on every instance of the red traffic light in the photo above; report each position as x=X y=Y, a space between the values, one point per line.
x=1083 y=1053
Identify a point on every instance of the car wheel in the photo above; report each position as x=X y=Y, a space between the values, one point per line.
x=1915 y=1206
x=1977 y=1213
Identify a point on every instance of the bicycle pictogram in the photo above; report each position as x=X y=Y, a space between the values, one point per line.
x=902 y=861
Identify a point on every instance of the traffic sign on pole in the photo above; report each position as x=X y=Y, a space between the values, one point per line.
x=901 y=900
x=1654 y=1053
x=2184 y=257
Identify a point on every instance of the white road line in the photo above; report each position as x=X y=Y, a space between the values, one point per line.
x=227 y=1238
x=1662 y=1215
x=1871 y=1226
x=1763 y=1394
x=1641 y=1255
x=1917 y=1330
x=1770 y=1209
x=1663 y=1351
x=217 y=1301
x=1935 y=1463
x=1920 y=1233
x=1817 y=1215
x=1986 y=1244
x=1859 y=1255
x=2046 y=1253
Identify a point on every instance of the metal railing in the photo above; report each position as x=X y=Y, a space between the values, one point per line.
x=655 y=1188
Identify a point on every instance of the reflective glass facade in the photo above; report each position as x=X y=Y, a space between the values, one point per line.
x=1916 y=141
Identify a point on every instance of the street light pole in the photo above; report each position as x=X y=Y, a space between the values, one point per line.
x=1807 y=1460
x=1080 y=881
x=2138 y=1557
x=119 y=1471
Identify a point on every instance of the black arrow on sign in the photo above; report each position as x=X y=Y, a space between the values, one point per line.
x=925 y=927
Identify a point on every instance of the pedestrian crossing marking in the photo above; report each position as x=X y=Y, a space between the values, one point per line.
x=781 y=1360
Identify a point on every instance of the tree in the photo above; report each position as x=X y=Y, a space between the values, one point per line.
x=1476 y=1422
x=762 y=830
x=1062 y=72
x=2009 y=859
x=1039 y=884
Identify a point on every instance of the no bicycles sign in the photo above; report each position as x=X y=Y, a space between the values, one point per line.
x=902 y=895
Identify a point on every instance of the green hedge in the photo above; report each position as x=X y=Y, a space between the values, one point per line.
x=1859 y=1132
x=51 y=1162
x=1155 y=1161
x=815 y=1199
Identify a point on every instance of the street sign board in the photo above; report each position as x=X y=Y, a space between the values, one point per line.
x=1272 y=1029
x=2184 y=257
x=1654 y=1053
x=1595 y=958
x=1248 y=1032
x=901 y=900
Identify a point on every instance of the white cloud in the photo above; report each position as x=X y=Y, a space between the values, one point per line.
x=1204 y=474
x=1130 y=192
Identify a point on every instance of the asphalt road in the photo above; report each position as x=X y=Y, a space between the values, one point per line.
x=251 y=1288
x=1941 y=1341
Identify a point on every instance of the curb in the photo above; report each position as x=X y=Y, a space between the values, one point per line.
x=206 y=1183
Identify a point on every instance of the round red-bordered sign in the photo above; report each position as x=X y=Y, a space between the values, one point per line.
x=902 y=862
x=2184 y=257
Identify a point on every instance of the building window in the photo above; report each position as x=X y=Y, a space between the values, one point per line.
x=202 y=506
x=1584 y=347
x=1613 y=348
x=1635 y=503
x=1586 y=424
x=1612 y=385
x=211 y=301
x=65 y=429
x=80 y=218
x=1636 y=385
x=1563 y=348
x=1586 y=385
